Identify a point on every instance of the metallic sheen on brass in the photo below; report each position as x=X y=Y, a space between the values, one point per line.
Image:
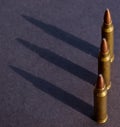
x=108 y=32
x=100 y=101
x=104 y=65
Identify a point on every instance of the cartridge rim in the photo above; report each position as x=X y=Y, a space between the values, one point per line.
x=112 y=58
x=109 y=86
x=103 y=120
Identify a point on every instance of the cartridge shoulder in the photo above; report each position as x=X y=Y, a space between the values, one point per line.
x=100 y=93
x=104 y=58
x=107 y=28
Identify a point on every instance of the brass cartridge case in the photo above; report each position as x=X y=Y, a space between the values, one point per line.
x=100 y=103
x=104 y=65
x=108 y=33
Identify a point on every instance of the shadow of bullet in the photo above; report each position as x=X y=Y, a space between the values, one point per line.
x=64 y=36
x=56 y=92
x=61 y=62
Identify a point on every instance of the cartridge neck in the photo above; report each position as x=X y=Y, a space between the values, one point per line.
x=107 y=25
x=104 y=55
x=100 y=89
x=100 y=92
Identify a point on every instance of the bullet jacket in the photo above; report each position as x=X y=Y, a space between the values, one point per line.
x=108 y=32
x=104 y=65
x=100 y=101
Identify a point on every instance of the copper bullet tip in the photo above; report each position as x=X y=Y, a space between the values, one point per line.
x=100 y=82
x=107 y=17
x=104 y=46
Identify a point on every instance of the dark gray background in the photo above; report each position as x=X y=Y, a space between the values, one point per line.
x=48 y=62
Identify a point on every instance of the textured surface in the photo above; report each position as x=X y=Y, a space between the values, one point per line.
x=48 y=62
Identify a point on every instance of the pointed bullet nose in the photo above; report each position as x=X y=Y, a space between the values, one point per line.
x=104 y=46
x=107 y=17
x=100 y=82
